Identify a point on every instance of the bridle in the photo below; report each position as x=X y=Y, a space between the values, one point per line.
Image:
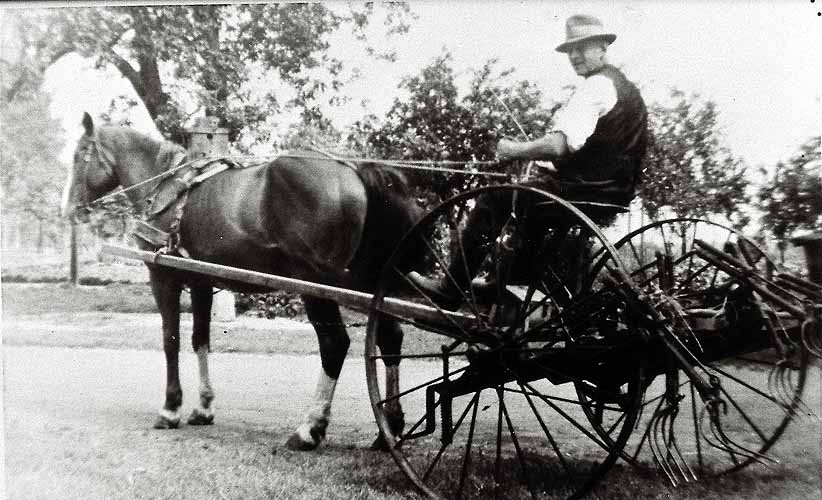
x=95 y=155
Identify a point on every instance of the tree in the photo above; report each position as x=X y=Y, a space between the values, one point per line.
x=212 y=54
x=792 y=199
x=433 y=123
x=32 y=176
x=688 y=170
x=27 y=51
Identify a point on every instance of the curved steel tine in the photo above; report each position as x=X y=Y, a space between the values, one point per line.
x=671 y=448
x=652 y=442
x=684 y=462
x=788 y=387
x=718 y=444
x=812 y=338
x=792 y=402
x=772 y=389
x=653 y=445
x=727 y=444
x=778 y=386
x=677 y=456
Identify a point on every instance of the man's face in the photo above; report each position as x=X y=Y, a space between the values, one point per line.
x=587 y=56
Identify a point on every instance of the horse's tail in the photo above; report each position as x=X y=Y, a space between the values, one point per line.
x=392 y=211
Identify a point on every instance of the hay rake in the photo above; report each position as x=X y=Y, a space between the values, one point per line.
x=679 y=348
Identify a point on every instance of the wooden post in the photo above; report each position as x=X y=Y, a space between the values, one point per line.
x=74 y=278
x=206 y=139
x=812 y=243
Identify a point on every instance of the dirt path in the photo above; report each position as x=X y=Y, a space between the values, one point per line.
x=78 y=425
x=126 y=387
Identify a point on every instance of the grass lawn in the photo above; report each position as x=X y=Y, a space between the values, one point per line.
x=96 y=456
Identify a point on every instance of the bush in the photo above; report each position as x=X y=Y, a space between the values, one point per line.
x=270 y=305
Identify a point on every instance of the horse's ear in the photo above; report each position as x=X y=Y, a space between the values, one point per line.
x=88 y=124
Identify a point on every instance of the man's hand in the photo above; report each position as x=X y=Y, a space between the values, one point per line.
x=548 y=148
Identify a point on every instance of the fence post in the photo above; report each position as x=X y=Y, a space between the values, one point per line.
x=207 y=139
x=812 y=243
x=74 y=276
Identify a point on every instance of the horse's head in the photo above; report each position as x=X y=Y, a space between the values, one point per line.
x=92 y=173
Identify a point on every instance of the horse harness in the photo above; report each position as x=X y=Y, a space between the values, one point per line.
x=171 y=195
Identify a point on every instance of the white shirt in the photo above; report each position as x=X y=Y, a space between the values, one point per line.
x=591 y=101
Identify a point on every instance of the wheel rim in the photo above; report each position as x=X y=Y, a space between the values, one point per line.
x=762 y=388
x=497 y=395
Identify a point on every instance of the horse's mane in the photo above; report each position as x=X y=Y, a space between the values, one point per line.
x=160 y=151
x=382 y=178
x=392 y=211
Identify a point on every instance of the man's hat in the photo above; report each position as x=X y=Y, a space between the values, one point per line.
x=583 y=27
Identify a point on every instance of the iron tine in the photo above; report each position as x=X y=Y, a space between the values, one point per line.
x=661 y=459
x=772 y=384
x=717 y=443
x=652 y=445
x=793 y=404
x=811 y=339
x=782 y=389
x=733 y=447
x=677 y=456
x=758 y=457
x=670 y=442
x=789 y=386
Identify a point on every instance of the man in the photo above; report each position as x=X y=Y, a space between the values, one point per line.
x=597 y=145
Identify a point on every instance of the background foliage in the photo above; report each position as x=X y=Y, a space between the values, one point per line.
x=792 y=197
x=248 y=63
x=688 y=169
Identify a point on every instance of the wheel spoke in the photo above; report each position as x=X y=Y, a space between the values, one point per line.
x=420 y=386
x=469 y=443
x=513 y=434
x=568 y=418
x=448 y=442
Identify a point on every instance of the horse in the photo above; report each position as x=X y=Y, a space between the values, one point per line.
x=304 y=216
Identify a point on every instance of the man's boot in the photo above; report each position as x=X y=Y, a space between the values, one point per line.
x=450 y=291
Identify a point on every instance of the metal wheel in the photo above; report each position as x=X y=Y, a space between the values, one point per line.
x=740 y=339
x=488 y=390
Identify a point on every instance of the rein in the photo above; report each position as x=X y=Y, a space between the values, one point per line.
x=423 y=165
x=123 y=191
x=404 y=164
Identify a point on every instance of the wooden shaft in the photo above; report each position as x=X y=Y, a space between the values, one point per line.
x=350 y=298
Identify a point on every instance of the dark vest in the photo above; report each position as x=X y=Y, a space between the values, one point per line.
x=611 y=158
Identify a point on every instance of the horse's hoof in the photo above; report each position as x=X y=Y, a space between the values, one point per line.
x=163 y=422
x=198 y=417
x=297 y=443
x=380 y=444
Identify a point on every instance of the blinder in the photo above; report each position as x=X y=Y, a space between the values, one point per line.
x=94 y=157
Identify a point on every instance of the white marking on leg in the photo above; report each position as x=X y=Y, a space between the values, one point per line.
x=319 y=412
x=171 y=416
x=304 y=432
x=206 y=392
x=392 y=386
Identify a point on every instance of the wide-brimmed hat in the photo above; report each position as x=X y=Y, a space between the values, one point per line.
x=583 y=27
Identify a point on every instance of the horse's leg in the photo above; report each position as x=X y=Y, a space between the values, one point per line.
x=166 y=292
x=333 y=339
x=389 y=340
x=201 y=299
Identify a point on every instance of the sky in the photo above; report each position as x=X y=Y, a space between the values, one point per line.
x=759 y=60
